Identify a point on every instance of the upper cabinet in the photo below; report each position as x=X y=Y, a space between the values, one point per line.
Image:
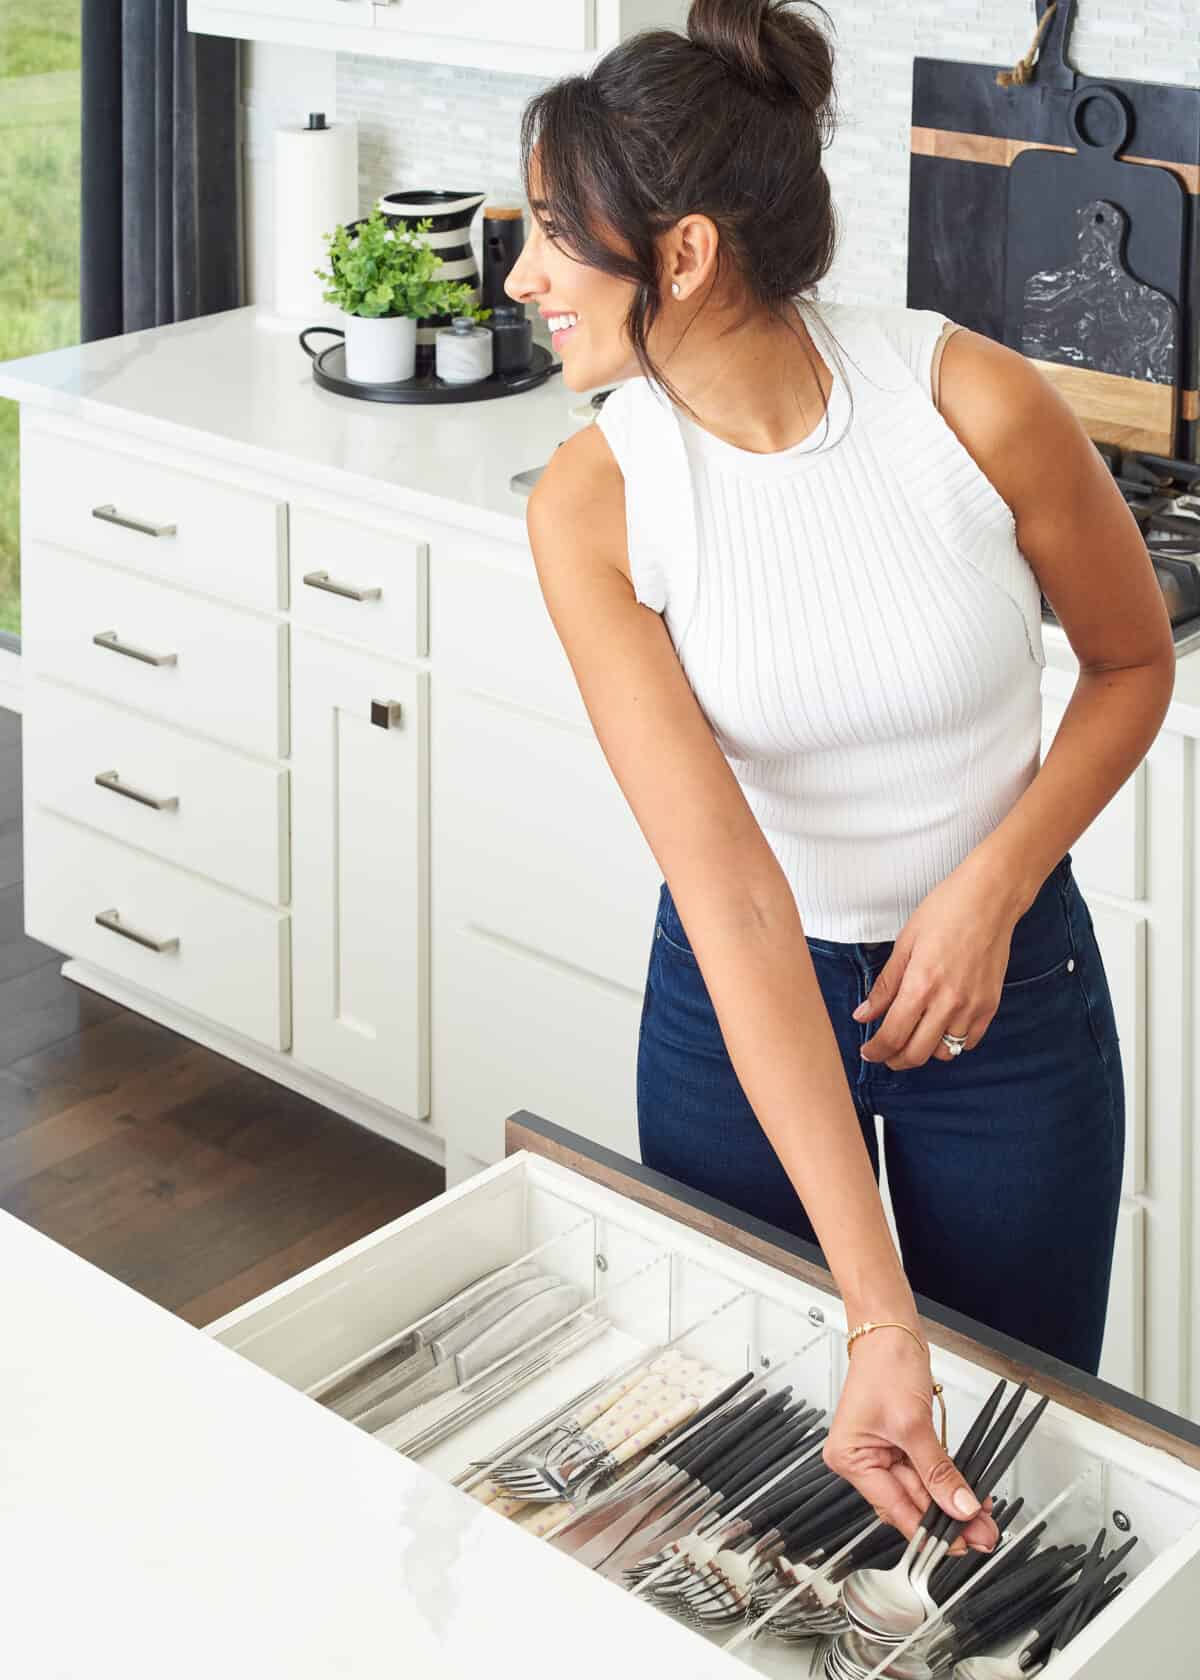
x=538 y=37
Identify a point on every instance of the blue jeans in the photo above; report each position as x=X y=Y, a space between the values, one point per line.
x=1004 y=1164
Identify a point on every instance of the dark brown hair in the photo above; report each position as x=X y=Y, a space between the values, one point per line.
x=728 y=121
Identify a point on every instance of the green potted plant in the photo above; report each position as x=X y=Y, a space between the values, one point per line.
x=381 y=277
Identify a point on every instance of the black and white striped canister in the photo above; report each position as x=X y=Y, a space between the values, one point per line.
x=450 y=214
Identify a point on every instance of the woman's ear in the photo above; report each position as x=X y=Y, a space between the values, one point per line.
x=691 y=255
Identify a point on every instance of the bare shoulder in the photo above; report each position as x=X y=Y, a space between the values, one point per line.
x=1009 y=416
x=578 y=504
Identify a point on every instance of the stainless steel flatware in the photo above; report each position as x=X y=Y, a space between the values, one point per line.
x=502 y=1337
x=436 y=1350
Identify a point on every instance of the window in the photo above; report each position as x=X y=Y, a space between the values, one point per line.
x=39 y=222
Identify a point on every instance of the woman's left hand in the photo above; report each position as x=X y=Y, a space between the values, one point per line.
x=944 y=975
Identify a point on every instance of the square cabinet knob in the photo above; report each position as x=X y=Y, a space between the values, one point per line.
x=386 y=713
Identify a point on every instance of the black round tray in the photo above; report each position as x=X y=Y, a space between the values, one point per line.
x=329 y=370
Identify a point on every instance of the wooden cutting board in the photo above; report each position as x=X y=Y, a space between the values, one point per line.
x=968 y=131
x=1095 y=262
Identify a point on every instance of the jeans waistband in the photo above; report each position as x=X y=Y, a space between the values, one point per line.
x=871 y=951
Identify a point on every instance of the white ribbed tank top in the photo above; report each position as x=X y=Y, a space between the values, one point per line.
x=853 y=615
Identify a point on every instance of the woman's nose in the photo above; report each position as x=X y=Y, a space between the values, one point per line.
x=520 y=282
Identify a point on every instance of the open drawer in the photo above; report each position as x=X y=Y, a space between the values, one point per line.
x=652 y=1263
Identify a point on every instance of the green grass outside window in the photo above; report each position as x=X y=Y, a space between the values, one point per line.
x=39 y=222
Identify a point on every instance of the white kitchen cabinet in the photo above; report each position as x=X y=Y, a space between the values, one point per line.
x=679 y=1266
x=360 y=870
x=535 y=37
x=167 y=932
x=1135 y=868
x=545 y=890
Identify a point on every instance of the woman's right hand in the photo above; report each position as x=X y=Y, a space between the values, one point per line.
x=882 y=1440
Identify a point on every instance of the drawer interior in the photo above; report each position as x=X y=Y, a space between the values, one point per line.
x=646 y=1282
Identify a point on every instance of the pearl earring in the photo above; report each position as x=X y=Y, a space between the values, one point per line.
x=674 y=288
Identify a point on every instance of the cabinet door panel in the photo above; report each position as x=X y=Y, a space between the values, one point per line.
x=360 y=873
x=566 y=872
x=1123 y=1359
x=515 y=1030
x=536 y=23
x=1110 y=854
x=1121 y=935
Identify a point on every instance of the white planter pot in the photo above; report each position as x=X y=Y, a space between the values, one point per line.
x=380 y=349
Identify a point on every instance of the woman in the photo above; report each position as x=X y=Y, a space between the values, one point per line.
x=796 y=568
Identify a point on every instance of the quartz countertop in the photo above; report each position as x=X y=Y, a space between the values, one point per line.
x=237 y=386
x=166 y=1507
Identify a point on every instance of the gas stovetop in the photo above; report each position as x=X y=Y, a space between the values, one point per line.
x=1164 y=496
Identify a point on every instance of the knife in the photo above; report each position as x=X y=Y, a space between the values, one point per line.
x=382 y=1361
x=485 y=1312
x=504 y=1337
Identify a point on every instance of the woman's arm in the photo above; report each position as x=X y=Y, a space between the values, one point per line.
x=1084 y=545
x=745 y=930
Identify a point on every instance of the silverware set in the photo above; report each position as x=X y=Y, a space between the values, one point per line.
x=710 y=1496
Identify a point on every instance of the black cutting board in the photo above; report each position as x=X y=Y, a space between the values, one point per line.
x=1095 y=247
x=967 y=130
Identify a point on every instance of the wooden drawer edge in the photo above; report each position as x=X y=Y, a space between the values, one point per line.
x=1123 y=1413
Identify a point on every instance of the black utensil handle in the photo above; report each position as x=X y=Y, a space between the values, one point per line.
x=806 y=1475
x=771 y=1453
x=995 y=1471
x=739 y=1475
x=834 y=1497
x=1091 y=1587
x=942 y=1585
x=979 y=1457
x=1031 y=1579
x=707 y=1410
x=743 y=1421
x=967 y=1447
x=752 y=1437
x=312 y=354
x=953 y=1571
x=716 y=1438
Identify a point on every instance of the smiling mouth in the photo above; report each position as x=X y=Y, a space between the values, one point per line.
x=561 y=325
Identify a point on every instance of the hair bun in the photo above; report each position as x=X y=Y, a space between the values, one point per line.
x=768 y=45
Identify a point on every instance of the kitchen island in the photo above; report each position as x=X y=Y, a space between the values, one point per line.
x=291 y=692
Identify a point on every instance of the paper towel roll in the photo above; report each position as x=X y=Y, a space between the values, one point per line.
x=316 y=187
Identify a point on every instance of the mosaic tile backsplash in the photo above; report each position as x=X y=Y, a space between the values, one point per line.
x=426 y=125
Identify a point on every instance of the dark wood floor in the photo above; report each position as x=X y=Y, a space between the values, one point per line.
x=192 y=1179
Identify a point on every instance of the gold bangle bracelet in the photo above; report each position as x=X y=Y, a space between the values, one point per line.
x=894 y=1324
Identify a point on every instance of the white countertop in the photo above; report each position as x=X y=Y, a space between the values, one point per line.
x=167 y=1508
x=237 y=386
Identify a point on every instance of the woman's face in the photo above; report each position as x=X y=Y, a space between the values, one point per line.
x=585 y=308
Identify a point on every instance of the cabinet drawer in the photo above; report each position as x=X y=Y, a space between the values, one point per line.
x=209 y=668
x=155 y=788
x=182 y=527
x=780 y=1317
x=217 y=954
x=363 y=581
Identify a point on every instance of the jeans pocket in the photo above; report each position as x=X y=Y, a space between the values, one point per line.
x=1042 y=946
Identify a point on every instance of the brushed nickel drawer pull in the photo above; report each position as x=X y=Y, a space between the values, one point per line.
x=111 y=920
x=386 y=713
x=110 y=780
x=109 y=639
x=322 y=580
x=107 y=511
